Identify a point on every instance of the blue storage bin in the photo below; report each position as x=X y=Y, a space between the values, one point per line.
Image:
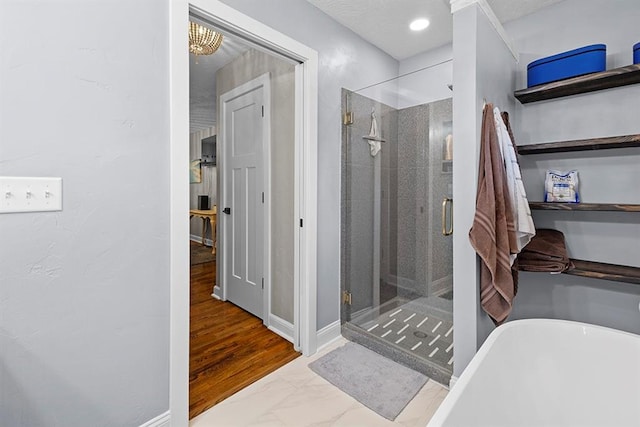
x=585 y=60
x=636 y=53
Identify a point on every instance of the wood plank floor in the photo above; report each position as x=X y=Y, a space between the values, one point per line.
x=229 y=348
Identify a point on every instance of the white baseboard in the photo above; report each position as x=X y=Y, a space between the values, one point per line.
x=281 y=327
x=217 y=292
x=198 y=239
x=452 y=381
x=328 y=334
x=162 y=420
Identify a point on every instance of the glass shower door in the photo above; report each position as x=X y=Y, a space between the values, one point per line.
x=396 y=266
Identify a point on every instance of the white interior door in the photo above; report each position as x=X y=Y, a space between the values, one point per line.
x=242 y=214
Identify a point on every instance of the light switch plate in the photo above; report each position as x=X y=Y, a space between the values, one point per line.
x=30 y=194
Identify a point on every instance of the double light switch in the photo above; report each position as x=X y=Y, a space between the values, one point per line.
x=30 y=194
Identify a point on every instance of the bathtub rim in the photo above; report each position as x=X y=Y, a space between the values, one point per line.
x=454 y=393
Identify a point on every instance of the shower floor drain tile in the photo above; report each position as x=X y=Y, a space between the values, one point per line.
x=425 y=336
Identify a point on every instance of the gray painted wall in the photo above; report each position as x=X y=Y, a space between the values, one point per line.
x=250 y=65
x=430 y=84
x=496 y=70
x=84 y=323
x=605 y=176
x=345 y=60
x=465 y=121
x=485 y=69
x=609 y=176
x=423 y=78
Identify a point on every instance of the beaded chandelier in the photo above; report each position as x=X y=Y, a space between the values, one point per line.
x=202 y=40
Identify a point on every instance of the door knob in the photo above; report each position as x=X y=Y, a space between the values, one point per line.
x=226 y=211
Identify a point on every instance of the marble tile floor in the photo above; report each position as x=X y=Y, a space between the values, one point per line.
x=295 y=396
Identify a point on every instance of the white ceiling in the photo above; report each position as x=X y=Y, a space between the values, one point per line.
x=202 y=81
x=385 y=23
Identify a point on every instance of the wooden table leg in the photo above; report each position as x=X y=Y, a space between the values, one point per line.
x=204 y=229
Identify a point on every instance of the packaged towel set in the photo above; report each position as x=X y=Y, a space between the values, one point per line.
x=561 y=187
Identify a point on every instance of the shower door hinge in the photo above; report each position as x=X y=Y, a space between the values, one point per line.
x=346 y=297
x=347 y=118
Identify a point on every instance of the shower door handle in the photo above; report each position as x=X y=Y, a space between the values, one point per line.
x=447 y=230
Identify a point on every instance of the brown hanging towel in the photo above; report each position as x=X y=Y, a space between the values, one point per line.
x=492 y=234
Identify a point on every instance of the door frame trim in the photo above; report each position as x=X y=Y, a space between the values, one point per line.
x=306 y=182
x=263 y=81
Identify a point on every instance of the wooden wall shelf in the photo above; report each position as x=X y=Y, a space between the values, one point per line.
x=603 y=207
x=622 y=141
x=599 y=270
x=617 y=77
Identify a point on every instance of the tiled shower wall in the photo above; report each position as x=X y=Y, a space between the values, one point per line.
x=411 y=194
x=415 y=258
x=423 y=254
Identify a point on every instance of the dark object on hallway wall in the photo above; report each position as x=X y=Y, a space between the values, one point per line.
x=203 y=203
x=209 y=151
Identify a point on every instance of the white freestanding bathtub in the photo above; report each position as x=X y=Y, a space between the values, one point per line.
x=547 y=373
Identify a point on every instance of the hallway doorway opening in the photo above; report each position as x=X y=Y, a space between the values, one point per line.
x=286 y=195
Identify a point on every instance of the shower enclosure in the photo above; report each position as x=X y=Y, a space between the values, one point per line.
x=396 y=260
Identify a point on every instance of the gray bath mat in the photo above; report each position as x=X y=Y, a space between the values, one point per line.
x=380 y=384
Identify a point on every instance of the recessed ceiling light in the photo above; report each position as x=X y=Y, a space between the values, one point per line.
x=419 y=24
